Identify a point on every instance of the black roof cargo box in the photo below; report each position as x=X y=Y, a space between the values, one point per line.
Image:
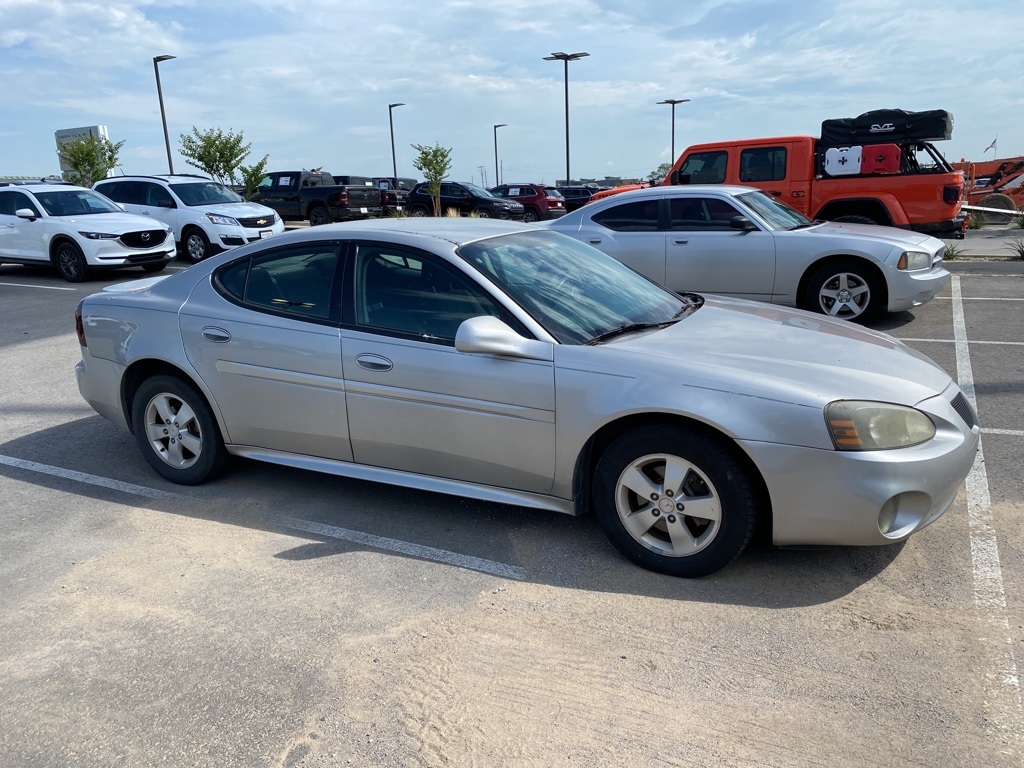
x=888 y=126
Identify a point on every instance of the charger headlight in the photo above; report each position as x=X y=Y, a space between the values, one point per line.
x=859 y=425
x=913 y=260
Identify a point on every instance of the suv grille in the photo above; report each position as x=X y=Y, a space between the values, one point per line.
x=147 y=238
x=963 y=407
x=258 y=221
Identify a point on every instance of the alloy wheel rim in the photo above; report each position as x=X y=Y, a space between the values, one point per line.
x=69 y=262
x=195 y=247
x=173 y=431
x=844 y=295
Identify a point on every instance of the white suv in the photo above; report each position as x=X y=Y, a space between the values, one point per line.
x=77 y=230
x=205 y=216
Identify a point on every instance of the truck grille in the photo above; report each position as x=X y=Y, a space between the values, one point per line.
x=963 y=407
x=255 y=222
x=147 y=238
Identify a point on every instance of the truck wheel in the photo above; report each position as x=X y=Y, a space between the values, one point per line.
x=856 y=220
x=845 y=290
x=318 y=215
x=997 y=200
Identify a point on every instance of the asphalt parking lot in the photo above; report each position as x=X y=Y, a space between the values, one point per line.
x=276 y=617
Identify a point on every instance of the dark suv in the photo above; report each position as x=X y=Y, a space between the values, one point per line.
x=539 y=202
x=466 y=199
x=576 y=197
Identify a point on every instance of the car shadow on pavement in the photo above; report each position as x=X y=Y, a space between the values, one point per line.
x=892 y=321
x=544 y=547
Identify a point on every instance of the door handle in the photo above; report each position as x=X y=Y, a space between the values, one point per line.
x=680 y=242
x=374 y=362
x=594 y=240
x=218 y=335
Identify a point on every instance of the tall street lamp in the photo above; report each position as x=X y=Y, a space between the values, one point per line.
x=163 y=115
x=566 y=57
x=391 y=122
x=497 y=178
x=673 y=102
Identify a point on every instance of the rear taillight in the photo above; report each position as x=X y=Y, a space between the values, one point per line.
x=951 y=193
x=343 y=197
x=79 y=327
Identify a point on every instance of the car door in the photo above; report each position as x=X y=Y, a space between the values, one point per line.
x=707 y=255
x=263 y=334
x=27 y=238
x=417 y=404
x=6 y=222
x=630 y=232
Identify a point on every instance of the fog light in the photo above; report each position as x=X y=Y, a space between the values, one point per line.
x=887 y=516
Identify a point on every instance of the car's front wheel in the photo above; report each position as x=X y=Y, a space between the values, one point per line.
x=483 y=213
x=176 y=431
x=674 y=500
x=845 y=290
x=196 y=245
x=70 y=262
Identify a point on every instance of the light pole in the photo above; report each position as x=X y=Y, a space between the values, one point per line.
x=566 y=57
x=391 y=122
x=673 y=102
x=163 y=115
x=497 y=178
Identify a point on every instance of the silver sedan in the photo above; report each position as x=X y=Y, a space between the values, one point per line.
x=739 y=241
x=500 y=361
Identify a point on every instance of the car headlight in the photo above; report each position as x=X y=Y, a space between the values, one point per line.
x=218 y=219
x=98 y=235
x=857 y=425
x=911 y=260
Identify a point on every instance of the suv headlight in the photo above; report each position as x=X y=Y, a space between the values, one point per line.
x=858 y=425
x=911 y=260
x=98 y=235
x=216 y=218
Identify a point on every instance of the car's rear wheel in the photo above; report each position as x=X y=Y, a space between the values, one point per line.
x=70 y=262
x=845 y=290
x=319 y=216
x=530 y=215
x=674 y=500
x=418 y=210
x=176 y=431
x=195 y=245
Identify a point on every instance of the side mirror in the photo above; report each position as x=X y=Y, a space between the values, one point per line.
x=166 y=204
x=742 y=223
x=490 y=336
x=26 y=213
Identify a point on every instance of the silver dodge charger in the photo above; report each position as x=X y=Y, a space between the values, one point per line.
x=499 y=361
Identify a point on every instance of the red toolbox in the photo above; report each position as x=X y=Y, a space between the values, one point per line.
x=880 y=158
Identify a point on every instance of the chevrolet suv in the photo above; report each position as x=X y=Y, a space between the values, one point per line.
x=540 y=202
x=205 y=216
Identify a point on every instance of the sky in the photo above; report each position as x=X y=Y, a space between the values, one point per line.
x=309 y=83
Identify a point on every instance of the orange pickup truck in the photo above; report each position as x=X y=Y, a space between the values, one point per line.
x=878 y=168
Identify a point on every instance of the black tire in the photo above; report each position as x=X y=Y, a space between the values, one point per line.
x=846 y=290
x=531 y=215
x=484 y=213
x=663 y=534
x=418 y=210
x=201 y=455
x=195 y=245
x=154 y=268
x=319 y=215
x=70 y=262
x=857 y=220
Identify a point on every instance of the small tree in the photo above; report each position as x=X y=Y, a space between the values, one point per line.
x=434 y=162
x=659 y=173
x=251 y=176
x=215 y=152
x=90 y=158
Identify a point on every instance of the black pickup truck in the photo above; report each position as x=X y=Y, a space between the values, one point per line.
x=394 y=193
x=314 y=195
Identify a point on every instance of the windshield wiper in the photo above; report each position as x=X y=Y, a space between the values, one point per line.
x=629 y=328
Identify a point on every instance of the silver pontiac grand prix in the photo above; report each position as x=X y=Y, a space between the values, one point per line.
x=500 y=361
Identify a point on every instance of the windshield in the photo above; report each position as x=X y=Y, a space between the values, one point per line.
x=478 y=191
x=75 y=202
x=778 y=215
x=576 y=292
x=206 y=193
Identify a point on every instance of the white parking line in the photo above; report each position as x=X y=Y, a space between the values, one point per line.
x=982 y=298
x=44 y=287
x=82 y=477
x=1003 y=691
x=953 y=341
x=1013 y=432
x=405 y=548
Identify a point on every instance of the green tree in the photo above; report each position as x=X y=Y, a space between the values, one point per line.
x=215 y=152
x=434 y=162
x=659 y=173
x=90 y=158
x=251 y=176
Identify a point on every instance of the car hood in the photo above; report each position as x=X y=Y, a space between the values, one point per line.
x=903 y=238
x=236 y=210
x=112 y=223
x=787 y=354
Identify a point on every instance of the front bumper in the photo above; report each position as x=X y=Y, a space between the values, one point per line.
x=912 y=289
x=233 y=237
x=825 y=497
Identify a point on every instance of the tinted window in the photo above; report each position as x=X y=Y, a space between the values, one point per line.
x=205 y=193
x=409 y=292
x=126 y=192
x=704 y=168
x=78 y=202
x=156 y=195
x=763 y=164
x=637 y=216
x=15 y=201
x=295 y=281
x=688 y=214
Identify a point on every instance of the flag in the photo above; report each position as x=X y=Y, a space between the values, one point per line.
x=992 y=145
